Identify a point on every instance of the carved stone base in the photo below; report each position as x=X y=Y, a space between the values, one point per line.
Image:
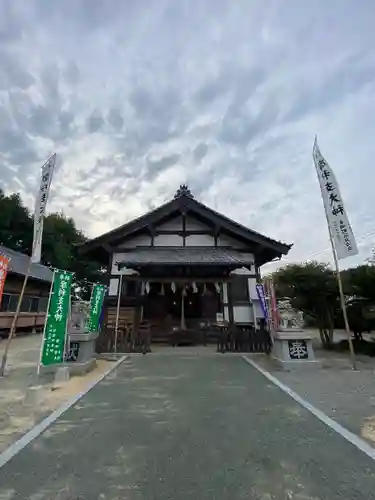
x=293 y=349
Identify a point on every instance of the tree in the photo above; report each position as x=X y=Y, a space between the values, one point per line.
x=312 y=289
x=359 y=288
x=60 y=249
x=360 y=282
x=16 y=227
x=59 y=246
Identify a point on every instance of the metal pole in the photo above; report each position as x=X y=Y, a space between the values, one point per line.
x=14 y=322
x=118 y=311
x=45 y=322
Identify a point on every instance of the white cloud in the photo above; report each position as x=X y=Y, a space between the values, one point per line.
x=139 y=97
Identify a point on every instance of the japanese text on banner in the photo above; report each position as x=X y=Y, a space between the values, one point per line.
x=262 y=299
x=56 y=321
x=338 y=222
x=96 y=305
x=40 y=207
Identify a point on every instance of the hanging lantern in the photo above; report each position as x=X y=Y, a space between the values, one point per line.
x=195 y=288
x=173 y=287
x=217 y=287
x=147 y=287
x=162 y=289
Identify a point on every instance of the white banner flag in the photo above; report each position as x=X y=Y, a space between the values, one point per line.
x=40 y=207
x=338 y=222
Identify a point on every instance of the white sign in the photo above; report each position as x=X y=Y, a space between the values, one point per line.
x=338 y=222
x=219 y=318
x=40 y=207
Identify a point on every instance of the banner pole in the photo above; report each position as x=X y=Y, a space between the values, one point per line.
x=88 y=321
x=45 y=322
x=342 y=298
x=329 y=186
x=14 y=322
x=68 y=322
x=118 y=311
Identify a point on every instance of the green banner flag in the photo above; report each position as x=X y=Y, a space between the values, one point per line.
x=96 y=305
x=57 y=316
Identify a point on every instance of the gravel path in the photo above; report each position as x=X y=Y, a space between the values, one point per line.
x=188 y=427
x=345 y=395
x=17 y=416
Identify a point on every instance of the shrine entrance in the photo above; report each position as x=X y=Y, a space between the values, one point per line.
x=170 y=306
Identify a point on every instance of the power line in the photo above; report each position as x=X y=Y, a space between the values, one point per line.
x=359 y=239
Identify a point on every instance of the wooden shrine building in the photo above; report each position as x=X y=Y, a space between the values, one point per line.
x=180 y=266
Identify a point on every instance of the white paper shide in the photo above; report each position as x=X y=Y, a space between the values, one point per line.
x=338 y=222
x=40 y=207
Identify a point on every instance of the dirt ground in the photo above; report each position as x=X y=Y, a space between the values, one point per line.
x=18 y=412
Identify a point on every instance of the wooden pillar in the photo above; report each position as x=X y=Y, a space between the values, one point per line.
x=182 y=322
x=230 y=302
x=225 y=301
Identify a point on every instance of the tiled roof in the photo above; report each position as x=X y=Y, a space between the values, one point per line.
x=19 y=262
x=185 y=256
x=266 y=248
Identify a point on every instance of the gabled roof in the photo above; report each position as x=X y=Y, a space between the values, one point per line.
x=19 y=263
x=185 y=202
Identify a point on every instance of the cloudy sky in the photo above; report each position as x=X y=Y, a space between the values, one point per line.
x=139 y=96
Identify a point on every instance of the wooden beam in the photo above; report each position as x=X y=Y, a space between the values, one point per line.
x=177 y=279
x=184 y=230
x=230 y=303
x=108 y=248
x=216 y=235
x=152 y=232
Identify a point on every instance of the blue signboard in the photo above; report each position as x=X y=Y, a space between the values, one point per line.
x=262 y=298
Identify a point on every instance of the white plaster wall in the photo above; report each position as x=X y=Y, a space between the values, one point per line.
x=252 y=289
x=243 y=314
x=258 y=309
x=175 y=223
x=113 y=287
x=226 y=241
x=197 y=240
x=225 y=292
x=195 y=225
x=168 y=240
x=143 y=240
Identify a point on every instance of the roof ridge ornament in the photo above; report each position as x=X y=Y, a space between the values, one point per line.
x=183 y=190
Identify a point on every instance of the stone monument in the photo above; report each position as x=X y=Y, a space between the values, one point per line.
x=80 y=348
x=292 y=345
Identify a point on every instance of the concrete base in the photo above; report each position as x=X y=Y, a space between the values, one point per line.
x=34 y=395
x=111 y=356
x=75 y=368
x=81 y=368
x=293 y=349
x=62 y=375
x=295 y=365
x=84 y=347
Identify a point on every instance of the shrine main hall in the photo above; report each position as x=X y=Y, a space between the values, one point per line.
x=182 y=265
